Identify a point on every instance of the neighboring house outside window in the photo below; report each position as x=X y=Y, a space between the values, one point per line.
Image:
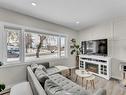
x=13 y=44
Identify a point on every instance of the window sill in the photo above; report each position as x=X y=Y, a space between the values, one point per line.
x=45 y=60
x=15 y=63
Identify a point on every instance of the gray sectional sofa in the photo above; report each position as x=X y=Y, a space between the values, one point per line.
x=42 y=82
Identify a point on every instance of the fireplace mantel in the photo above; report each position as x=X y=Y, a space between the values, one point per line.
x=99 y=65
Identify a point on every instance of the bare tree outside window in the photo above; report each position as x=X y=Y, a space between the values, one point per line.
x=40 y=46
x=28 y=41
x=42 y=38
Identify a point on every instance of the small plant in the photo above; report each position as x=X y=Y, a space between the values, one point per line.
x=75 y=47
x=1 y=63
x=2 y=87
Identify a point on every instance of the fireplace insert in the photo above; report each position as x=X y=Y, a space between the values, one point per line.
x=91 y=67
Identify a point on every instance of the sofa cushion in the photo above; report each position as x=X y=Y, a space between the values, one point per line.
x=63 y=92
x=52 y=88
x=52 y=70
x=21 y=89
x=68 y=85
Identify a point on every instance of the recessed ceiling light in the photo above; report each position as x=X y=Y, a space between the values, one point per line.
x=34 y=4
x=77 y=22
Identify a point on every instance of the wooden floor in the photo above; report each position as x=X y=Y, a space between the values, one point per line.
x=113 y=87
x=7 y=94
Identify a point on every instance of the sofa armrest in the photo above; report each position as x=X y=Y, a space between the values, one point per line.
x=100 y=92
x=34 y=83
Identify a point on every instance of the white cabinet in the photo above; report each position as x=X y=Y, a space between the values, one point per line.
x=99 y=65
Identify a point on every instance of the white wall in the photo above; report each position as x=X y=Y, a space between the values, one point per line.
x=12 y=74
x=119 y=36
x=100 y=31
x=115 y=32
x=19 y=19
x=15 y=18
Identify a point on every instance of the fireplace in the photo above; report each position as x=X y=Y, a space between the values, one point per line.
x=91 y=67
x=100 y=65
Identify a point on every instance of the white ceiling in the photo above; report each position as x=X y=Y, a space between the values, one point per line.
x=67 y=12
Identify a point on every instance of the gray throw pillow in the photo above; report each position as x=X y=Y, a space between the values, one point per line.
x=34 y=66
x=41 y=75
x=42 y=67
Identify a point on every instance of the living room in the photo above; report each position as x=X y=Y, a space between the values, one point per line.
x=34 y=35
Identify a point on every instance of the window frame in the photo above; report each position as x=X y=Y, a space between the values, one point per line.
x=24 y=29
x=5 y=44
x=66 y=55
x=45 y=35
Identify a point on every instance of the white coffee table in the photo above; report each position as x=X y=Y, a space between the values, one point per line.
x=83 y=74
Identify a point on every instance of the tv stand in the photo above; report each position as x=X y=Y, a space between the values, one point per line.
x=99 y=65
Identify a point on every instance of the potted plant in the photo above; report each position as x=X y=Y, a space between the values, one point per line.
x=1 y=63
x=75 y=50
x=2 y=87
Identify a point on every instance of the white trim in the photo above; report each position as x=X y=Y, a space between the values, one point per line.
x=20 y=42
x=66 y=47
x=1 y=43
x=59 y=44
x=22 y=55
x=4 y=45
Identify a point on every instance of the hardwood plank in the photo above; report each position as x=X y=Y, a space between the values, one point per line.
x=112 y=86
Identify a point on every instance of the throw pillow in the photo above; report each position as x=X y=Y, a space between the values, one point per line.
x=42 y=67
x=34 y=66
x=41 y=76
x=52 y=88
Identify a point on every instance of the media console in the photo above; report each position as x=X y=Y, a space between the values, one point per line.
x=99 y=65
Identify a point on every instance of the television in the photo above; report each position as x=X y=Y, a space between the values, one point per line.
x=94 y=47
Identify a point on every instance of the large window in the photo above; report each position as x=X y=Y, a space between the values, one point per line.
x=27 y=46
x=40 y=46
x=13 y=44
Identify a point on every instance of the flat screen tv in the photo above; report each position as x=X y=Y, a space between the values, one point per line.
x=95 y=47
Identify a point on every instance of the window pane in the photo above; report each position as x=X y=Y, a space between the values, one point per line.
x=40 y=46
x=63 y=46
x=13 y=50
